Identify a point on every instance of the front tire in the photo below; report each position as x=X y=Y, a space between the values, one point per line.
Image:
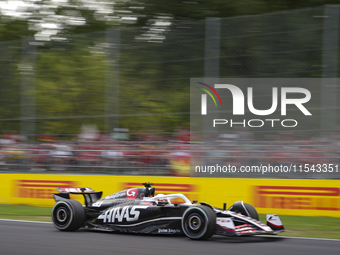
x=252 y=211
x=68 y=215
x=245 y=209
x=199 y=222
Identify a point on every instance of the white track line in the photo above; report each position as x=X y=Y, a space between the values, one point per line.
x=298 y=237
x=292 y=237
x=26 y=221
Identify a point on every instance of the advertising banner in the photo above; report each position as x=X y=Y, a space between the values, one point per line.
x=276 y=196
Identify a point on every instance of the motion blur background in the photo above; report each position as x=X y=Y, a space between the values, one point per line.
x=103 y=87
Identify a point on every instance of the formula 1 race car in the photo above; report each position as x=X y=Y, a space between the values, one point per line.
x=138 y=210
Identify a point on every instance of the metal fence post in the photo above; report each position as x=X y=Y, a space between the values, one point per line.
x=329 y=67
x=211 y=61
x=112 y=79
x=27 y=100
x=212 y=47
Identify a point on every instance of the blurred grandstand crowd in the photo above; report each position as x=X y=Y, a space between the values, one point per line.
x=93 y=152
x=164 y=154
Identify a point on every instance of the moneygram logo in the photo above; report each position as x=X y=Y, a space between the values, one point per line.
x=238 y=107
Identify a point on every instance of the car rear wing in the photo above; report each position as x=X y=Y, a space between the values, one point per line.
x=90 y=196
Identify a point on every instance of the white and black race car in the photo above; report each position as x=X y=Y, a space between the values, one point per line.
x=138 y=210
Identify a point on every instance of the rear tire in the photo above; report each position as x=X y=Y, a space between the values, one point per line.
x=68 y=215
x=199 y=222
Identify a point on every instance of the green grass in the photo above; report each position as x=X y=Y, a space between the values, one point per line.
x=307 y=226
x=24 y=212
x=301 y=226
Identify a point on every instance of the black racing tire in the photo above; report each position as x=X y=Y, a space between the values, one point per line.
x=245 y=209
x=68 y=215
x=252 y=211
x=199 y=222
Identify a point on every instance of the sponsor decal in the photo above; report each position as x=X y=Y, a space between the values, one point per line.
x=146 y=203
x=78 y=190
x=116 y=195
x=120 y=214
x=97 y=204
x=41 y=189
x=300 y=198
x=132 y=193
x=248 y=231
x=189 y=190
x=168 y=231
x=225 y=223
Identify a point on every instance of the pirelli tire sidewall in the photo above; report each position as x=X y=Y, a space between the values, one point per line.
x=199 y=222
x=68 y=215
x=252 y=211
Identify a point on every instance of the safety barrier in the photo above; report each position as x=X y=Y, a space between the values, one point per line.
x=277 y=196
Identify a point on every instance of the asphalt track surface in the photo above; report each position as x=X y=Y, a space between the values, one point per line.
x=42 y=238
